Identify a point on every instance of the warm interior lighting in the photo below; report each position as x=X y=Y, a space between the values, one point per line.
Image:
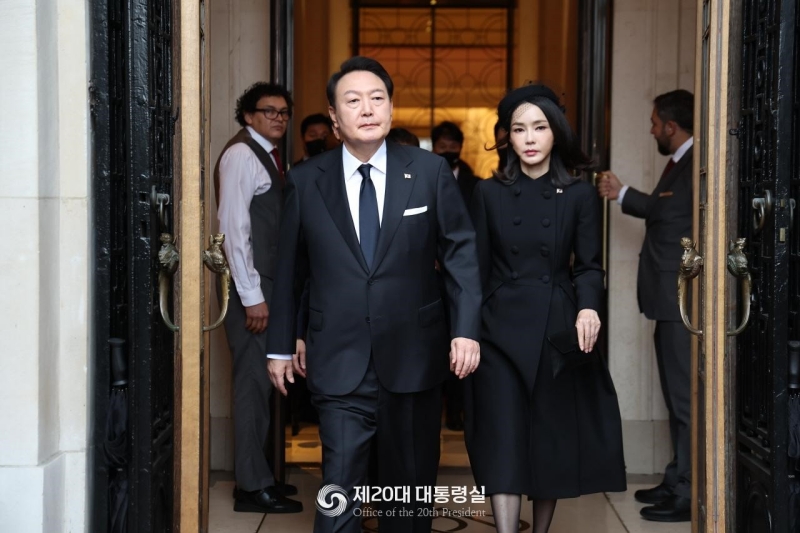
x=477 y=123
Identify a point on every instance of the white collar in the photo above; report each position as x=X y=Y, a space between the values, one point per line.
x=265 y=144
x=683 y=149
x=350 y=163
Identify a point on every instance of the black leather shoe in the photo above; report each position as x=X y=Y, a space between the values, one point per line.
x=268 y=500
x=285 y=489
x=674 y=509
x=653 y=496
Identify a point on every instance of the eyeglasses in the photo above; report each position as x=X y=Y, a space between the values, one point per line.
x=272 y=113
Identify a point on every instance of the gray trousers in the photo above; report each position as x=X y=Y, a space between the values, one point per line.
x=251 y=393
x=674 y=356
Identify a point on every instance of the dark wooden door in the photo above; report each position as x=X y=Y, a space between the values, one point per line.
x=768 y=186
x=132 y=139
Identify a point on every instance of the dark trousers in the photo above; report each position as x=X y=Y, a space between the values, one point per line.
x=251 y=393
x=674 y=356
x=404 y=427
x=454 y=398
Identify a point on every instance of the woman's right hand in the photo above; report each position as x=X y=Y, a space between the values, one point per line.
x=588 y=325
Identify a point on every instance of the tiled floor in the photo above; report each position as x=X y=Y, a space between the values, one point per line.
x=597 y=513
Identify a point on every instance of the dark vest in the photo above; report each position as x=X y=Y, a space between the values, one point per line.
x=265 y=209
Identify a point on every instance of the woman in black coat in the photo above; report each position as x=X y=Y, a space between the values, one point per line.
x=529 y=431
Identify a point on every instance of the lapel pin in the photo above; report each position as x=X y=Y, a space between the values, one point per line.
x=559 y=191
x=407 y=176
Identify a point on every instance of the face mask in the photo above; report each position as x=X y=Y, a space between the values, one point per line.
x=451 y=158
x=315 y=147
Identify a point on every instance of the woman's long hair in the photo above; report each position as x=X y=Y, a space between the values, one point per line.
x=566 y=157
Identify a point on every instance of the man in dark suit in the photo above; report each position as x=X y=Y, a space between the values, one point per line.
x=668 y=216
x=365 y=223
x=248 y=181
x=448 y=140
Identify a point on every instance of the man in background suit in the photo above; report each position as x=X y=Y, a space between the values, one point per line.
x=317 y=133
x=668 y=217
x=448 y=140
x=248 y=181
x=365 y=223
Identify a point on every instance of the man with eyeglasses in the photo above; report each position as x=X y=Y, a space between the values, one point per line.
x=248 y=181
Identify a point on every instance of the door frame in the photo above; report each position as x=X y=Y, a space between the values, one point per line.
x=713 y=379
x=191 y=413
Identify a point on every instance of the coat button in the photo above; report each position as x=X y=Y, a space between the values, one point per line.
x=517 y=221
x=546 y=222
x=515 y=249
x=545 y=251
x=517 y=191
x=514 y=275
x=546 y=278
x=547 y=194
x=367 y=319
x=371 y=281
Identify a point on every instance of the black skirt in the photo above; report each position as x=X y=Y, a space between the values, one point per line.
x=561 y=440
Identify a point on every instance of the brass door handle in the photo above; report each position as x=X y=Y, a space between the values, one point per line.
x=214 y=259
x=737 y=265
x=690 y=267
x=763 y=207
x=168 y=257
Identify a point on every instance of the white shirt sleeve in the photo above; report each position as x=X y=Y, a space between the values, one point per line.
x=279 y=356
x=238 y=171
x=622 y=194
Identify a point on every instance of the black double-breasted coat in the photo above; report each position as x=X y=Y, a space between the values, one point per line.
x=528 y=432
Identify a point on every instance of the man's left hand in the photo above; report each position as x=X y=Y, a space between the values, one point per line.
x=465 y=354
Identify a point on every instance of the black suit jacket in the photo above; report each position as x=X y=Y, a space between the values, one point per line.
x=668 y=217
x=394 y=313
x=466 y=181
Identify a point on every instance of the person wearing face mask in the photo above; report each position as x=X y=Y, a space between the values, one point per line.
x=317 y=133
x=543 y=418
x=448 y=139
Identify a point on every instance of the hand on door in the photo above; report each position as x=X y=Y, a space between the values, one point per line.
x=257 y=317
x=608 y=186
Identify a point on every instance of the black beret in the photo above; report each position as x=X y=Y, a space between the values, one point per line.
x=526 y=93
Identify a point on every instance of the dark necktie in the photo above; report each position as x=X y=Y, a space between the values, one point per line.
x=279 y=163
x=670 y=164
x=369 y=225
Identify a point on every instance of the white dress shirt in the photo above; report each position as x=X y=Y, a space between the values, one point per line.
x=680 y=152
x=353 y=180
x=352 y=184
x=241 y=177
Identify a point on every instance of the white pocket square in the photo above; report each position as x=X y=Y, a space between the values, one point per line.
x=415 y=211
